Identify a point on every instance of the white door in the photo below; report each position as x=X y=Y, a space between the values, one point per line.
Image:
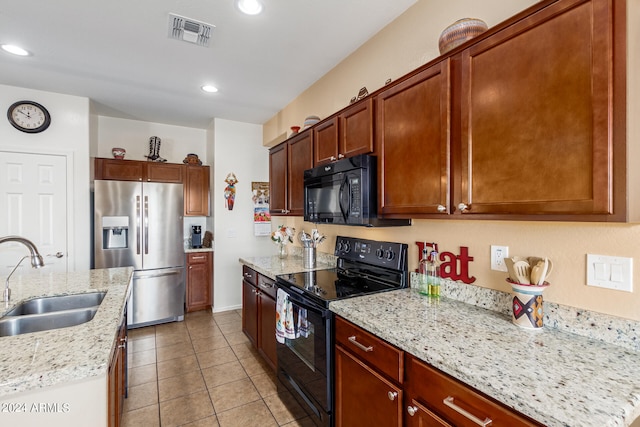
x=33 y=204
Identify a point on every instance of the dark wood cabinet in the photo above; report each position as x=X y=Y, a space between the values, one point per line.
x=199 y=281
x=194 y=178
x=433 y=395
x=287 y=163
x=116 y=376
x=413 y=144
x=259 y=313
x=368 y=378
x=374 y=381
x=135 y=170
x=363 y=396
x=196 y=191
x=346 y=134
x=536 y=115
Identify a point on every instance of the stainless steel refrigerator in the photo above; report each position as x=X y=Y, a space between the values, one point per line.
x=139 y=224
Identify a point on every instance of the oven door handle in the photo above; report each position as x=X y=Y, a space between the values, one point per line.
x=303 y=304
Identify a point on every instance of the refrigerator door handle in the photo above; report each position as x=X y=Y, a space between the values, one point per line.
x=146 y=225
x=176 y=272
x=137 y=225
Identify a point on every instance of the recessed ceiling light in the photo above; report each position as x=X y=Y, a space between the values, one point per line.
x=16 y=50
x=250 y=7
x=209 y=88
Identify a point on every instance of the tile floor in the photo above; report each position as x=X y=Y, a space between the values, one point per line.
x=203 y=372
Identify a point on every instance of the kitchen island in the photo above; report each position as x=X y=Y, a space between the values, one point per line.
x=554 y=377
x=59 y=377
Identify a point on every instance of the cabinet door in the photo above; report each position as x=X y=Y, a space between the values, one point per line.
x=199 y=269
x=164 y=172
x=356 y=129
x=250 y=312
x=116 y=384
x=537 y=116
x=120 y=170
x=300 y=158
x=278 y=179
x=412 y=143
x=196 y=191
x=267 y=346
x=419 y=416
x=362 y=396
x=325 y=138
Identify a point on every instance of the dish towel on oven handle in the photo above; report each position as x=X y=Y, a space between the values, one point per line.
x=284 y=317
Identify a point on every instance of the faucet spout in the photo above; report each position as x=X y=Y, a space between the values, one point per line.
x=36 y=259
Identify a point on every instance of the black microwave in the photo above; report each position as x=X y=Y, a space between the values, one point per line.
x=344 y=192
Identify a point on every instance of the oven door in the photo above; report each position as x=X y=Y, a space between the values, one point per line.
x=304 y=363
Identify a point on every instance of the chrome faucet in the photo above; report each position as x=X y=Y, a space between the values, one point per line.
x=36 y=260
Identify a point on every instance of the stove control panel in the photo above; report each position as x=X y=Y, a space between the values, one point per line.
x=384 y=254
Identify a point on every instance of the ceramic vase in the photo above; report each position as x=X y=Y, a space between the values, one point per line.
x=527 y=305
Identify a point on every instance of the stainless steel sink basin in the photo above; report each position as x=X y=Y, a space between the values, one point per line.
x=59 y=303
x=16 y=325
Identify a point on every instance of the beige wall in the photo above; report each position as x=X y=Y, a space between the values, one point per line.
x=411 y=41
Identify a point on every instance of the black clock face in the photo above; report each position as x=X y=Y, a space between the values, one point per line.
x=29 y=116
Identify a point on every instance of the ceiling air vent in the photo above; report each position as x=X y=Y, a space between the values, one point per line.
x=189 y=30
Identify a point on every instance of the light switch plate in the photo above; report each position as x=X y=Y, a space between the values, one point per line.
x=610 y=272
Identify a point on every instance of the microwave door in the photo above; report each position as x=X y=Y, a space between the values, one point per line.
x=344 y=198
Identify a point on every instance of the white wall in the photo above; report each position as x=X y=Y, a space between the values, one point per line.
x=133 y=136
x=67 y=135
x=238 y=149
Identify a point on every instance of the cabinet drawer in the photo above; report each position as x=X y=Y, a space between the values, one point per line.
x=455 y=401
x=267 y=285
x=382 y=356
x=250 y=275
x=197 y=257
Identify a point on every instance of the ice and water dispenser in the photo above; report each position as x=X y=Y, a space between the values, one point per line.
x=115 y=232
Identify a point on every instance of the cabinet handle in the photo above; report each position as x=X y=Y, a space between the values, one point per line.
x=332 y=158
x=449 y=402
x=392 y=395
x=247 y=274
x=198 y=257
x=266 y=285
x=341 y=156
x=464 y=207
x=412 y=410
x=360 y=346
x=441 y=208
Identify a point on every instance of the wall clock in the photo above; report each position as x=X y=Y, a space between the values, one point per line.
x=28 y=116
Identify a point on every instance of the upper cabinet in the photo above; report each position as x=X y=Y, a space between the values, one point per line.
x=194 y=178
x=287 y=163
x=196 y=191
x=536 y=115
x=413 y=144
x=136 y=170
x=346 y=134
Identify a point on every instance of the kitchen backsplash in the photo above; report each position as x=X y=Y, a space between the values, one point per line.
x=598 y=326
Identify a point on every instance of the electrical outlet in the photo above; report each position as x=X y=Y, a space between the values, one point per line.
x=498 y=254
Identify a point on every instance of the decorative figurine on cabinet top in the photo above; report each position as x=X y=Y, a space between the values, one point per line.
x=192 y=159
x=154 y=150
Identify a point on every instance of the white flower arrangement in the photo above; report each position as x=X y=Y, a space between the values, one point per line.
x=283 y=235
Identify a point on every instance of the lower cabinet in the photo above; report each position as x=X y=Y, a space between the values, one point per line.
x=199 y=279
x=368 y=379
x=259 y=313
x=374 y=381
x=117 y=376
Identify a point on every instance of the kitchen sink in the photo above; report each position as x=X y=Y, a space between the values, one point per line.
x=16 y=325
x=46 y=313
x=58 y=303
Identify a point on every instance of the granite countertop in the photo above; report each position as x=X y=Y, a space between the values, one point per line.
x=555 y=377
x=194 y=250
x=41 y=359
x=271 y=266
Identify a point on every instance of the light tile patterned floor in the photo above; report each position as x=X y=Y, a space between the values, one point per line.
x=203 y=372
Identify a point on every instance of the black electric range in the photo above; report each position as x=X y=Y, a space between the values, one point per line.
x=305 y=359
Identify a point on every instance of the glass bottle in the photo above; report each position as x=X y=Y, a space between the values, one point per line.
x=433 y=273
x=423 y=285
